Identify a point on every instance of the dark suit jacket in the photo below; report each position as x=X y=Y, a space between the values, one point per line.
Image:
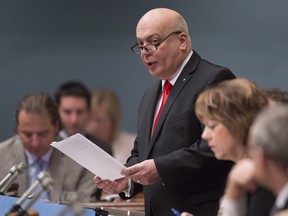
x=260 y=202
x=190 y=174
x=66 y=173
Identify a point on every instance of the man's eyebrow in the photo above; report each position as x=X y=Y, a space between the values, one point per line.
x=149 y=37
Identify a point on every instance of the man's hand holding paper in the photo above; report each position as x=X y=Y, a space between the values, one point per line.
x=110 y=186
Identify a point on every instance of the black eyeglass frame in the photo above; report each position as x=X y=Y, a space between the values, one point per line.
x=137 y=49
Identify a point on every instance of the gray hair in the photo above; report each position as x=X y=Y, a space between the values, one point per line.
x=179 y=24
x=269 y=132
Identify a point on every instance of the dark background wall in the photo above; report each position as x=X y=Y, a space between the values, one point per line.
x=44 y=43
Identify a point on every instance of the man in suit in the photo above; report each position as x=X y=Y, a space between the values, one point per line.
x=37 y=124
x=73 y=99
x=268 y=143
x=170 y=162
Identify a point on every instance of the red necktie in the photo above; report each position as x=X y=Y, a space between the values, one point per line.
x=166 y=91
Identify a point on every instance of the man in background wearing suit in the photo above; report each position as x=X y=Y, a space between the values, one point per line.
x=170 y=162
x=37 y=125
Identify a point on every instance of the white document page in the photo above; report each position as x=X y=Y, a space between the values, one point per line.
x=90 y=156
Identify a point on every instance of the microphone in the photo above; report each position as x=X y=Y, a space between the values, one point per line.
x=11 y=176
x=45 y=181
x=47 y=184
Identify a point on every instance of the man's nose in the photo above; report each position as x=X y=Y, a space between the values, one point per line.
x=35 y=139
x=74 y=117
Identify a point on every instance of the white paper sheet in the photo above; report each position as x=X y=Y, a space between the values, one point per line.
x=90 y=156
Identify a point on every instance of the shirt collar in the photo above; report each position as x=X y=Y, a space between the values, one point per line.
x=63 y=134
x=282 y=197
x=31 y=158
x=173 y=79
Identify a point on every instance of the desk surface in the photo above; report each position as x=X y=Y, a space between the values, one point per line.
x=134 y=207
x=126 y=206
x=43 y=208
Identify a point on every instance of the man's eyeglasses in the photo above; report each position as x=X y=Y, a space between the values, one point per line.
x=150 y=48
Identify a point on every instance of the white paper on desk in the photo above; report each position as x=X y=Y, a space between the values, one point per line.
x=90 y=156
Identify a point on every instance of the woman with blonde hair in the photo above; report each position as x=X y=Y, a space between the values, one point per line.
x=227 y=111
x=104 y=124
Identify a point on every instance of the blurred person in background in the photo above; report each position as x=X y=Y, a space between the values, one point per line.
x=37 y=125
x=105 y=122
x=267 y=165
x=276 y=95
x=74 y=100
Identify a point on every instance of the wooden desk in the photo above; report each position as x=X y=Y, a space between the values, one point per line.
x=133 y=207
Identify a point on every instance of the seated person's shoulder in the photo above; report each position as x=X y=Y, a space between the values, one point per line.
x=10 y=143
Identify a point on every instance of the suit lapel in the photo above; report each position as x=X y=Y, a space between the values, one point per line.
x=183 y=78
x=152 y=97
x=57 y=171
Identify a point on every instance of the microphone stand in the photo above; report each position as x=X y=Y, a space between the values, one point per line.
x=47 y=184
x=6 y=178
x=11 y=176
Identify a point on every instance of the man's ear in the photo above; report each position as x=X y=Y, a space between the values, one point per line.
x=263 y=160
x=184 y=39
